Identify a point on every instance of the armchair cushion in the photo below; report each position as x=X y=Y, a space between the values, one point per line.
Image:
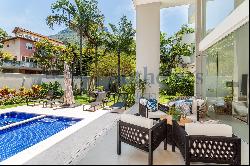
x=209 y=129
x=143 y=101
x=156 y=115
x=137 y=120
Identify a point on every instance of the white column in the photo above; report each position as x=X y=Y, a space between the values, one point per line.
x=198 y=54
x=148 y=45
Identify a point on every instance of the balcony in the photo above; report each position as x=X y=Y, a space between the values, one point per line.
x=19 y=65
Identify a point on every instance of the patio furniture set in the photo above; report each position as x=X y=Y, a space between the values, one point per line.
x=49 y=99
x=197 y=141
x=102 y=99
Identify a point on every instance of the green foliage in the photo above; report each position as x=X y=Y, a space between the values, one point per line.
x=100 y=88
x=107 y=66
x=6 y=56
x=15 y=97
x=176 y=114
x=12 y=96
x=55 y=87
x=51 y=57
x=121 y=37
x=141 y=84
x=48 y=56
x=3 y=35
x=172 y=49
x=121 y=40
x=130 y=88
x=180 y=82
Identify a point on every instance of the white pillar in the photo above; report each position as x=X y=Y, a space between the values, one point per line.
x=198 y=54
x=148 y=45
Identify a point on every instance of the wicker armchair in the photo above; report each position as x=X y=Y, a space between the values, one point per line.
x=144 y=111
x=146 y=138
x=206 y=149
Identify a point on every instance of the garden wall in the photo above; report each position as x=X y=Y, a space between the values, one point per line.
x=17 y=80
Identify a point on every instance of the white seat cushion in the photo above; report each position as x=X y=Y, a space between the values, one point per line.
x=156 y=115
x=193 y=117
x=209 y=129
x=137 y=120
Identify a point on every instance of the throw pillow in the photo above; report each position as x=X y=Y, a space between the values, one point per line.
x=184 y=107
x=152 y=105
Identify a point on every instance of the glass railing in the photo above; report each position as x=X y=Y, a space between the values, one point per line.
x=19 y=64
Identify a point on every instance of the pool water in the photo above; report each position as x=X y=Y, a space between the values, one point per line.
x=13 y=117
x=16 y=139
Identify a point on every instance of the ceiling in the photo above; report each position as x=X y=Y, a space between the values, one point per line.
x=165 y=3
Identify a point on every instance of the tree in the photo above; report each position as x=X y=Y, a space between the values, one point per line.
x=3 y=35
x=180 y=82
x=120 y=40
x=48 y=56
x=107 y=66
x=51 y=57
x=172 y=49
x=80 y=16
x=97 y=34
x=6 y=56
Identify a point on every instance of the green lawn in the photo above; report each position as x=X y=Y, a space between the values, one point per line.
x=84 y=99
x=165 y=99
x=11 y=106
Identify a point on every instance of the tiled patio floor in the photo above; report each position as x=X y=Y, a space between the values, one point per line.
x=105 y=153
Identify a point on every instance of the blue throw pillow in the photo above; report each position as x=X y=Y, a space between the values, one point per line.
x=152 y=105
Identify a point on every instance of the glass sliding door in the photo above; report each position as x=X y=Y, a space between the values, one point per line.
x=226 y=74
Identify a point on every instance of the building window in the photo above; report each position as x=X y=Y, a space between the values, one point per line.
x=29 y=46
x=23 y=59
x=8 y=45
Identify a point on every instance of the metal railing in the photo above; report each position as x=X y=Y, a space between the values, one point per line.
x=18 y=64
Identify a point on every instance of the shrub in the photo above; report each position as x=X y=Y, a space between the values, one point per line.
x=180 y=82
x=55 y=87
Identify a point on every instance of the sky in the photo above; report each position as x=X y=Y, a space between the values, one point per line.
x=31 y=15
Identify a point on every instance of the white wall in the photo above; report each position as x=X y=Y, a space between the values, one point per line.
x=16 y=80
x=14 y=48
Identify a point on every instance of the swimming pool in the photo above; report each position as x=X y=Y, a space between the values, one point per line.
x=13 y=117
x=18 y=138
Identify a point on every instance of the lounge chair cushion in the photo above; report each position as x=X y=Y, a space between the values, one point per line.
x=137 y=120
x=209 y=129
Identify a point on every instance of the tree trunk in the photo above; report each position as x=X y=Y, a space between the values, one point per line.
x=72 y=75
x=119 y=68
x=68 y=92
x=96 y=65
x=81 y=74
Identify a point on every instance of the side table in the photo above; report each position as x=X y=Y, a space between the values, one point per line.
x=169 y=118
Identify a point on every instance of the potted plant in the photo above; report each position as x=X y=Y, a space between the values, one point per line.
x=142 y=85
x=176 y=114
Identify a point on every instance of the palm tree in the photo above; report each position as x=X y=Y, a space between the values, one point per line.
x=121 y=40
x=79 y=16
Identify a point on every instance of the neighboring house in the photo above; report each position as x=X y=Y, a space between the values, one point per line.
x=22 y=47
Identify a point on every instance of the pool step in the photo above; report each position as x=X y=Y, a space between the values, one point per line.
x=22 y=122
